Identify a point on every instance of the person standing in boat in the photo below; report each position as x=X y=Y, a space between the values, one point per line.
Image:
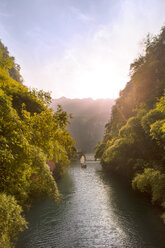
x=82 y=160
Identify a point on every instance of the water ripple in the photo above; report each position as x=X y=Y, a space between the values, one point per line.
x=96 y=212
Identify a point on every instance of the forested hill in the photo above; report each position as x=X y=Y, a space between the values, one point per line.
x=31 y=137
x=89 y=119
x=134 y=140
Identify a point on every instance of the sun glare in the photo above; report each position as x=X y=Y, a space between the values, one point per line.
x=101 y=82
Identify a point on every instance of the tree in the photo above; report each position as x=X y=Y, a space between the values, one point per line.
x=11 y=220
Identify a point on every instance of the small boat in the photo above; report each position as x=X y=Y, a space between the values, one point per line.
x=82 y=161
x=83 y=166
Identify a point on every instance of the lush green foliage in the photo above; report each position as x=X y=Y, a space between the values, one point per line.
x=151 y=182
x=9 y=62
x=11 y=220
x=30 y=136
x=134 y=140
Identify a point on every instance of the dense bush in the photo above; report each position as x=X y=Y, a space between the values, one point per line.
x=11 y=220
x=153 y=183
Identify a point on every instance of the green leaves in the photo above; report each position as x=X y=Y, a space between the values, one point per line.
x=11 y=220
x=152 y=116
x=152 y=182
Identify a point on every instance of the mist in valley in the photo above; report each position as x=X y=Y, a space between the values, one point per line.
x=89 y=119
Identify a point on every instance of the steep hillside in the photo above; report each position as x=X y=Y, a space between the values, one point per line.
x=133 y=144
x=89 y=119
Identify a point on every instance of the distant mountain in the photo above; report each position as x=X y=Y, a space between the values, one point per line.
x=90 y=117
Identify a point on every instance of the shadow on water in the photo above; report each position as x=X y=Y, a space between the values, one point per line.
x=139 y=220
x=97 y=211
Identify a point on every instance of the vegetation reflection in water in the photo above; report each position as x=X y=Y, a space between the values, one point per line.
x=96 y=211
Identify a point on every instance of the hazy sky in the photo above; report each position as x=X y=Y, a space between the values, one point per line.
x=78 y=48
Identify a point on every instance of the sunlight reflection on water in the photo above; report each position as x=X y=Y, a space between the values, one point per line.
x=96 y=211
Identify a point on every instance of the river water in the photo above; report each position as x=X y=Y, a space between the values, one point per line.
x=96 y=211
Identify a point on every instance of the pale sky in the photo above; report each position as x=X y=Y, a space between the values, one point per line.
x=78 y=48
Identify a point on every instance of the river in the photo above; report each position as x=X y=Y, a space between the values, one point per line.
x=97 y=211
